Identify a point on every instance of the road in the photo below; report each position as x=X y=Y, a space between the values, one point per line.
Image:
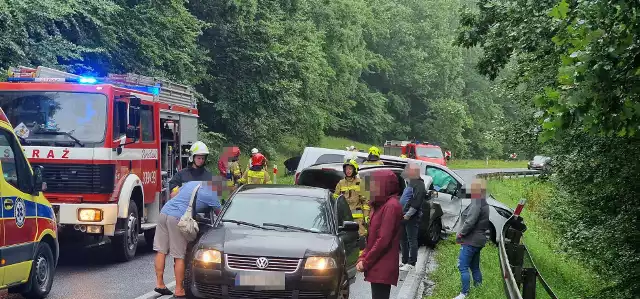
x=92 y=274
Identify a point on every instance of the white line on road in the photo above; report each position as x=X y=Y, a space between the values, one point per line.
x=153 y=294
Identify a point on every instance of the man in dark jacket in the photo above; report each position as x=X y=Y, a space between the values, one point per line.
x=411 y=202
x=472 y=236
x=196 y=172
x=380 y=258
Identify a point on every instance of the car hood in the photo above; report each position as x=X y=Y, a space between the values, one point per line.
x=440 y=161
x=233 y=239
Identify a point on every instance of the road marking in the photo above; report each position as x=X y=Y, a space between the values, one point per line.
x=153 y=294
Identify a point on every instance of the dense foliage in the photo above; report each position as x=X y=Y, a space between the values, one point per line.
x=278 y=70
x=575 y=68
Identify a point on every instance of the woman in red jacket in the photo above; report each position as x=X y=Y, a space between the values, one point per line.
x=380 y=258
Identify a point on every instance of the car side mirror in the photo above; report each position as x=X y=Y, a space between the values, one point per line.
x=349 y=226
x=38 y=180
x=201 y=219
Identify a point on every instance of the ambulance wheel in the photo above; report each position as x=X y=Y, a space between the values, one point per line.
x=42 y=272
x=125 y=245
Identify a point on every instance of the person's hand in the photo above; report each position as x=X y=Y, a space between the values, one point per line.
x=360 y=266
x=406 y=217
x=458 y=239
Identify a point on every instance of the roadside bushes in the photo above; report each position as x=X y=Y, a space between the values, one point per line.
x=597 y=207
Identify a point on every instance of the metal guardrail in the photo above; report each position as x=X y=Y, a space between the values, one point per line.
x=519 y=281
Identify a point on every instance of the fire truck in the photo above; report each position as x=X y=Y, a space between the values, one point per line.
x=415 y=150
x=107 y=147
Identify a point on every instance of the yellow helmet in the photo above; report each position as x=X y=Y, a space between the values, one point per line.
x=350 y=161
x=374 y=151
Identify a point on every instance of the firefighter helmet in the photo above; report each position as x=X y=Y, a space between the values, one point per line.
x=350 y=161
x=198 y=148
x=374 y=151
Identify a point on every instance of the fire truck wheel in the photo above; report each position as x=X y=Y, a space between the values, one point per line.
x=42 y=272
x=125 y=245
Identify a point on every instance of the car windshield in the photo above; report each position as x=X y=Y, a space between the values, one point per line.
x=429 y=152
x=50 y=117
x=290 y=210
x=539 y=159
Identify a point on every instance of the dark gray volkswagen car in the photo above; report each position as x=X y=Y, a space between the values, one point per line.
x=275 y=241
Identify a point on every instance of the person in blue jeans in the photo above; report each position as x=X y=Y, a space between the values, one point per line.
x=472 y=236
x=168 y=238
x=411 y=202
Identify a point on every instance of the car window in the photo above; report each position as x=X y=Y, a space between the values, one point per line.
x=330 y=158
x=292 y=210
x=429 y=152
x=14 y=166
x=321 y=178
x=539 y=159
x=442 y=181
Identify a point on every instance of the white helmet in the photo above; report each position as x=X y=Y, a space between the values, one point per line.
x=198 y=148
x=254 y=151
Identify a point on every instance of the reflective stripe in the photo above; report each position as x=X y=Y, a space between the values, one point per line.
x=349 y=188
x=357 y=215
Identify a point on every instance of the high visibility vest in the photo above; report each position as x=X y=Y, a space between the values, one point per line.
x=255 y=177
x=373 y=162
x=351 y=191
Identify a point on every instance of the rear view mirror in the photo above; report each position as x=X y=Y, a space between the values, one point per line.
x=38 y=180
x=349 y=226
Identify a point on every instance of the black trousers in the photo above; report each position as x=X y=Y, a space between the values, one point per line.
x=380 y=291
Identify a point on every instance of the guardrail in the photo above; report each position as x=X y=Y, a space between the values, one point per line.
x=519 y=271
x=510 y=174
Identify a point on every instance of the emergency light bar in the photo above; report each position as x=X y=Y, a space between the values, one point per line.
x=84 y=80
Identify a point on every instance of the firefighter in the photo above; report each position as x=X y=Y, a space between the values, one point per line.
x=374 y=157
x=349 y=187
x=229 y=167
x=196 y=172
x=256 y=173
x=403 y=156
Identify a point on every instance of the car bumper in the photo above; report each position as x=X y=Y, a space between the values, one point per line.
x=303 y=284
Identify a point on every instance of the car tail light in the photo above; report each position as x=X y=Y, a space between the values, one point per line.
x=297 y=176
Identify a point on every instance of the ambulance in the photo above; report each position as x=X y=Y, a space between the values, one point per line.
x=28 y=232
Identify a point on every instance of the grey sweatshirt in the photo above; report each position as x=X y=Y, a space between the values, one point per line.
x=475 y=219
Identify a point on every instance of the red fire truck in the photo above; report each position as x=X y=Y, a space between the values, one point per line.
x=415 y=150
x=107 y=145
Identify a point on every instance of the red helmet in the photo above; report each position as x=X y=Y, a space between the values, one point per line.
x=235 y=151
x=257 y=160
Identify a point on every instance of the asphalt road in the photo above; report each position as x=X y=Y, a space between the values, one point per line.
x=92 y=273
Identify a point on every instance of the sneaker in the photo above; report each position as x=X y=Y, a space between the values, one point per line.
x=406 y=267
x=461 y=296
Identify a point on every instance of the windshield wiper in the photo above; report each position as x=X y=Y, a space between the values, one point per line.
x=244 y=223
x=68 y=134
x=290 y=227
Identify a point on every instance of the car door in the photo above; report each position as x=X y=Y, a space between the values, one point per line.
x=349 y=240
x=447 y=187
x=19 y=211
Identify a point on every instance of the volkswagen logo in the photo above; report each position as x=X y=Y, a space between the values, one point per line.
x=262 y=263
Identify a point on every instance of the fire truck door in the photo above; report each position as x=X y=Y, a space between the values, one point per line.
x=150 y=162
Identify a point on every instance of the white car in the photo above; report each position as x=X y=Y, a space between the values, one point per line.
x=452 y=198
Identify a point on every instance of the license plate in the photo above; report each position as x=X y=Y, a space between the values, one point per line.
x=261 y=280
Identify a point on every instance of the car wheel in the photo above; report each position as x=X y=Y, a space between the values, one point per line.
x=125 y=245
x=434 y=233
x=42 y=272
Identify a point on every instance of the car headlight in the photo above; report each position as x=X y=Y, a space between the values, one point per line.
x=90 y=215
x=504 y=213
x=320 y=263
x=208 y=256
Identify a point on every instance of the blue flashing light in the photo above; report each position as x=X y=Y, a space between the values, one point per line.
x=154 y=90
x=87 y=80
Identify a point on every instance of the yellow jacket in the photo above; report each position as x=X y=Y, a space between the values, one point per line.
x=255 y=177
x=350 y=188
x=372 y=162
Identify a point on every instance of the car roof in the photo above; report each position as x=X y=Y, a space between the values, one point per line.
x=338 y=167
x=286 y=190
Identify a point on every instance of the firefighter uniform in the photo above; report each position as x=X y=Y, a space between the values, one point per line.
x=256 y=173
x=350 y=188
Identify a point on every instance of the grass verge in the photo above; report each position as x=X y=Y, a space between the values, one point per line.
x=447 y=277
x=567 y=277
x=477 y=164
